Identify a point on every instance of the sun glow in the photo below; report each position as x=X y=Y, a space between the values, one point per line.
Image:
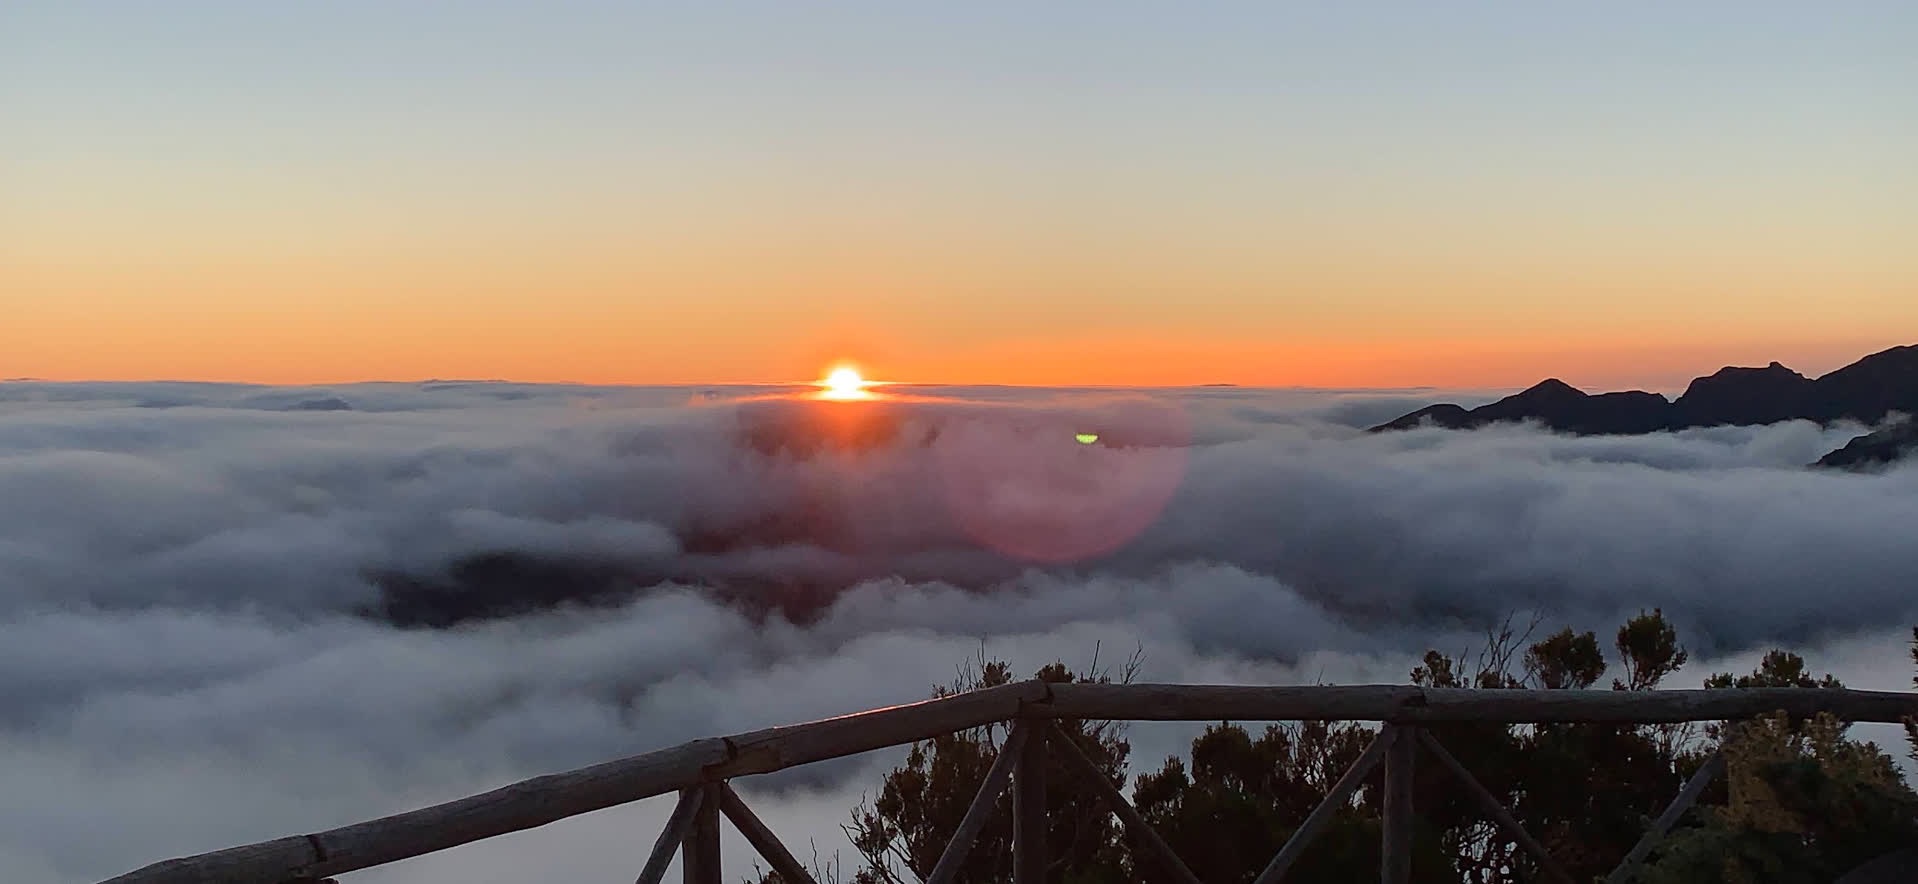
x=844 y=382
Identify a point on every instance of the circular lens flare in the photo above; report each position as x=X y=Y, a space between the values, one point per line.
x=1046 y=492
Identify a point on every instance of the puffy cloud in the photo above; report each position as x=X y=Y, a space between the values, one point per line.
x=192 y=652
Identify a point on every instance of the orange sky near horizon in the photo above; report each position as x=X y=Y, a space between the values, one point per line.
x=1261 y=196
x=614 y=340
x=1276 y=319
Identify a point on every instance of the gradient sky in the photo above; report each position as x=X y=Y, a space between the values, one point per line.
x=1460 y=194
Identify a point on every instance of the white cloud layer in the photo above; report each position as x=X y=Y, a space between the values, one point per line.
x=189 y=656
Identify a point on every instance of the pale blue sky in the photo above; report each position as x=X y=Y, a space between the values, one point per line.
x=1576 y=138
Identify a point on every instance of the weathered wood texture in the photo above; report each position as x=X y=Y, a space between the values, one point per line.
x=983 y=806
x=667 y=846
x=782 y=747
x=1160 y=702
x=276 y=860
x=542 y=800
x=1029 y=812
x=1162 y=853
x=523 y=805
x=1490 y=804
x=1675 y=811
x=1171 y=702
x=1322 y=815
x=699 y=853
x=761 y=837
x=1395 y=857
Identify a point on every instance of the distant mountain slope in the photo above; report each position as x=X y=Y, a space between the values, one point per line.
x=1867 y=391
x=1885 y=446
x=1870 y=389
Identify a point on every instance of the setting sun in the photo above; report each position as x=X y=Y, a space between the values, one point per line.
x=844 y=383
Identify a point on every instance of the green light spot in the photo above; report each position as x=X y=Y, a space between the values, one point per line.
x=1087 y=438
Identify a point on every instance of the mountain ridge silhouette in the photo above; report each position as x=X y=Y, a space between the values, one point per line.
x=1868 y=391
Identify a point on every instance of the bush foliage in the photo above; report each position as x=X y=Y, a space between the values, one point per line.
x=1800 y=800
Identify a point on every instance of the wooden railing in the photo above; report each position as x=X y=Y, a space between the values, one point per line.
x=698 y=771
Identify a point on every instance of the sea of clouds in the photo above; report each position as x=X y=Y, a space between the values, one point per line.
x=198 y=647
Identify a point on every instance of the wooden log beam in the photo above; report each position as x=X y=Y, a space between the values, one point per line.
x=1171 y=702
x=1406 y=704
x=1029 y=812
x=778 y=748
x=761 y=837
x=1490 y=804
x=699 y=852
x=1115 y=800
x=983 y=805
x=1322 y=815
x=1395 y=858
x=1687 y=796
x=677 y=825
x=280 y=859
x=536 y=802
x=1659 y=707
x=513 y=808
x=522 y=805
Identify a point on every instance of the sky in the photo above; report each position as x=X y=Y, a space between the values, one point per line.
x=1462 y=194
x=200 y=644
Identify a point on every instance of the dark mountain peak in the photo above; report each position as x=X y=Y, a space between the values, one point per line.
x=1774 y=371
x=1546 y=395
x=1563 y=407
x=1550 y=388
x=1740 y=396
x=1866 y=391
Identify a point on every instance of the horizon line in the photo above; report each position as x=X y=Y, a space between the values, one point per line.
x=1217 y=385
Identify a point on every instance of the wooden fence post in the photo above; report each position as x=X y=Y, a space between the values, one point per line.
x=983 y=805
x=673 y=835
x=1395 y=859
x=1687 y=796
x=1321 y=816
x=1029 y=812
x=699 y=854
x=1547 y=866
x=761 y=837
x=1135 y=824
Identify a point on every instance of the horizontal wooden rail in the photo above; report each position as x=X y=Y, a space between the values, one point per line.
x=541 y=800
x=1167 y=702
